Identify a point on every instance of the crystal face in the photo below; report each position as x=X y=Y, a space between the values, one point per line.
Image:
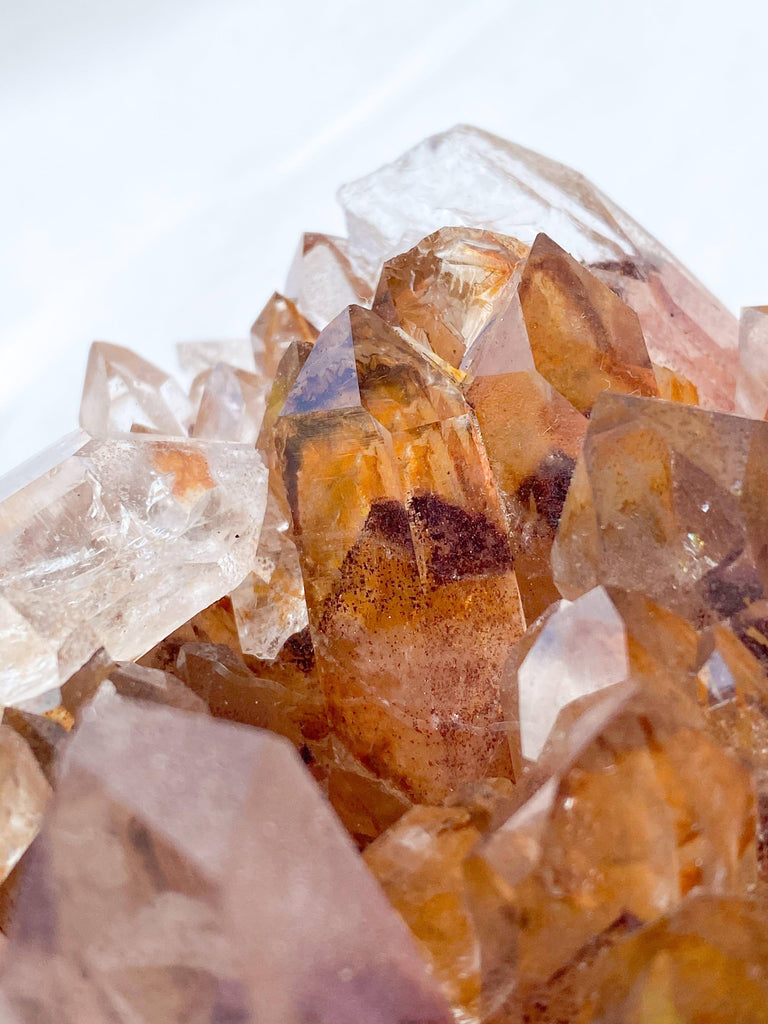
x=408 y=663
x=115 y=546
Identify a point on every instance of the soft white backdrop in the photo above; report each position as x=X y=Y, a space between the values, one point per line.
x=161 y=157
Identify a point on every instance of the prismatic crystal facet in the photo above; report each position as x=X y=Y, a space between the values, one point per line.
x=408 y=663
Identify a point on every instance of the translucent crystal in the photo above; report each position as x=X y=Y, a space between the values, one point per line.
x=232 y=404
x=532 y=453
x=277 y=326
x=583 y=338
x=443 y=290
x=44 y=737
x=419 y=863
x=190 y=870
x=122 y=391
x=405 y=556
x=196 y=357
x=666 y=501
x=576 y=649
x=269 y=604
x=323 y=280
x=708 y=957
x=466 y=176
x=752 y=389
x=24 y=793
x=117 y=545
x=641 y=807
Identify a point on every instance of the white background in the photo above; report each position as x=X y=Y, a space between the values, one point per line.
x=161 y=157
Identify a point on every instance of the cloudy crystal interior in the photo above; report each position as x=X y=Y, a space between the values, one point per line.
x=406 y=661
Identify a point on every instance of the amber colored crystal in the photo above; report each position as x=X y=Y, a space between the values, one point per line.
x=646 y=808
x=419 y=865
x=556 y=337
x=468 y=176
x=277 y=746
x=682 y=486
x=277 y=326
x=443 y=290
x=532 y=453
x=282 y=694
x=584 y=339
x=707 y=961
x=413 y=603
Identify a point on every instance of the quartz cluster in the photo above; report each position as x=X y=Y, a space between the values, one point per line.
x=409 y=664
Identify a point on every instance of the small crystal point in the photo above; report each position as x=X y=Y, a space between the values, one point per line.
x=584 y=339
x=276 y=327
x=580 y=648
x=24 y=793
x=752 y=388
x=323 y=281
x=232 y=405
x=196 y=357
x=123 y=391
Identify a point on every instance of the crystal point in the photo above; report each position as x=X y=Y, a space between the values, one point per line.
x=208 y=878
x=277 y=326
x=443 y=290
x=399 y=547
x=323 y=280
x=117 y=545
x=414 y=666
x=466 y=176
x=123 y=391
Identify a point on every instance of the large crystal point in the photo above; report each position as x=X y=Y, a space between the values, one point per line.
x=117 y=545
x=413 y=602
x=466 y=176
x=122 y=391
x=190 y=872
x=666 y=500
